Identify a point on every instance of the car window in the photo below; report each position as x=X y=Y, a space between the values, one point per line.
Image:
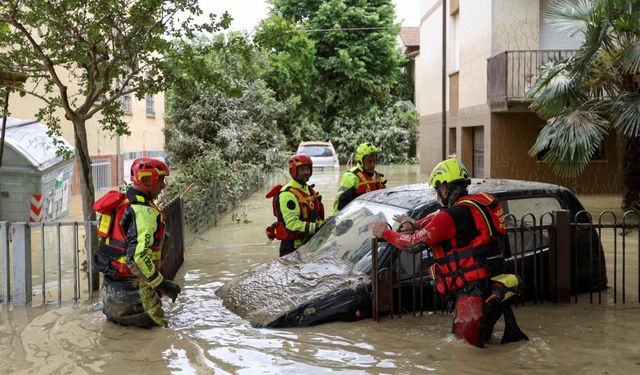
x=348 y=235
x=522 y=210
x=317 y=150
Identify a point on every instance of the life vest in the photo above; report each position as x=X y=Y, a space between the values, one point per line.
x=474 y=253
x=111 y=256
x=368 y=183
x=311 y=210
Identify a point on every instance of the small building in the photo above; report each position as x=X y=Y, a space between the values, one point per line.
x=35 y=183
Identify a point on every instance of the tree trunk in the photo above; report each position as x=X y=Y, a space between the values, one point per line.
x=86 y=188
x=631 y=173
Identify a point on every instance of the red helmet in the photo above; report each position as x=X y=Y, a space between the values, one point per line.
x=143 y=167
x=297 y=160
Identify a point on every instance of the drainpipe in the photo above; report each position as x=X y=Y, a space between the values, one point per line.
x=4 y=122
x=444 y=79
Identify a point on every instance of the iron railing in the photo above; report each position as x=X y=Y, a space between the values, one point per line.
x=61 y=254
x=510 y=74
x=556 y=257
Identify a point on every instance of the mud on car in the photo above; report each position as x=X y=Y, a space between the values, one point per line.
x=329 y=277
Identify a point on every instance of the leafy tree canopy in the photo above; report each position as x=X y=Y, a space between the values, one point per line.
x=356 y=60
x=82 y=56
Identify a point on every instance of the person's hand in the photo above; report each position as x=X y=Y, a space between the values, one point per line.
x=379 y=228
x=407 y=224
x=401 y=218
x=168 y=288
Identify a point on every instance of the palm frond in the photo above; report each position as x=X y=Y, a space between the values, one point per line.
x=569 y=17
x=625 y=114
x=629 y=58
x=570 y=140
x=554 y=90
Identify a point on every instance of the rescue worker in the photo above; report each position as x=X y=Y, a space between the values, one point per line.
x=131 y=231
x=297 y=207
x=360 y=179
x=465 y=238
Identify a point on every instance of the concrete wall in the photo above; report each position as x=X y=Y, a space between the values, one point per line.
x=510 y=157
x=429 y=84
x=475 y=49
x=516 y=25
x=146 y=132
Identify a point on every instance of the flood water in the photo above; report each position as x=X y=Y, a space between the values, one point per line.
x=205 y=338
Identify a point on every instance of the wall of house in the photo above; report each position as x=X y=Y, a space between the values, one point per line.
x=515 y=26
x=475 y=49
x=146 y=132
x=512 y=137
x=429 y=84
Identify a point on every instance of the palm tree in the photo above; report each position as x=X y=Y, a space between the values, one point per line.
x=594 y=92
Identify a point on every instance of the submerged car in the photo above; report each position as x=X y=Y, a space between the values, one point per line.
x=329 y=277
x=322 y=154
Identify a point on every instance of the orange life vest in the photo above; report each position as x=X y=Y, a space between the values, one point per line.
x=368 y=183
x=311 y=210
x=463 y=260
x=111 y=257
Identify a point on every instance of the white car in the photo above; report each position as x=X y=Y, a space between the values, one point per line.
x=322 y=154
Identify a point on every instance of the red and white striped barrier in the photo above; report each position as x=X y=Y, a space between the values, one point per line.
x=36 y=208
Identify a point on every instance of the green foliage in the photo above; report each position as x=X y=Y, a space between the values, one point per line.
x=593 y=92
x=393 y=131
x=83 y=56
x=340 y=56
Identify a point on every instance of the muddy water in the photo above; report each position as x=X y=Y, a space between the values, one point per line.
x=205 y=338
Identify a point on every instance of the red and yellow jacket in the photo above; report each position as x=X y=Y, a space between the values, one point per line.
x=461 y=237
x=131 y=231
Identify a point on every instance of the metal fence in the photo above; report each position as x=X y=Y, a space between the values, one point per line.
x=557 y=258
x=48 y=261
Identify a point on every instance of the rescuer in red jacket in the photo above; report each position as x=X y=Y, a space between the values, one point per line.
x=463 y=235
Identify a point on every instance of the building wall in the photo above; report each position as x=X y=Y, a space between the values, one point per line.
x=475 y=49
x=429 y=84
x=512 y=137
x=515 y=25
x=146 y=132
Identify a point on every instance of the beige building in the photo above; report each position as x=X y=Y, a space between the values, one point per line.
x=146 y=123
x=494 y=49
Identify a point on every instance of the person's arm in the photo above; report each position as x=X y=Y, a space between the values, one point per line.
x=291 y=214
x=420 y=223
x=349 y=183
x=140 y=223
x=440 y=228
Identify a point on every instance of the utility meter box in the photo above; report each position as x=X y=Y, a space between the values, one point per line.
x=35 y=184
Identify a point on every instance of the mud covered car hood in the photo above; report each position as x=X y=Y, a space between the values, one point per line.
x=289 y=289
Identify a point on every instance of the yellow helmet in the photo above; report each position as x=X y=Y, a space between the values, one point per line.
x=448 y=171
x=364 y=150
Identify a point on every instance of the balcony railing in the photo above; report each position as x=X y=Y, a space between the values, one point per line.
x=511 y=73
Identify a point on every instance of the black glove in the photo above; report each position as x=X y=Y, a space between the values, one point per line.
x=168 y=288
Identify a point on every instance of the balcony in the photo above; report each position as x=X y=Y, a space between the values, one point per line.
x=511 y=73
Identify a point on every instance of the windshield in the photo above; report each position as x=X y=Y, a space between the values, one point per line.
x=317 y=150
x=348 y=235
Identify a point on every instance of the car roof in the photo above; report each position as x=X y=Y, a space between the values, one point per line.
x=315 y=143
x=418 y=195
